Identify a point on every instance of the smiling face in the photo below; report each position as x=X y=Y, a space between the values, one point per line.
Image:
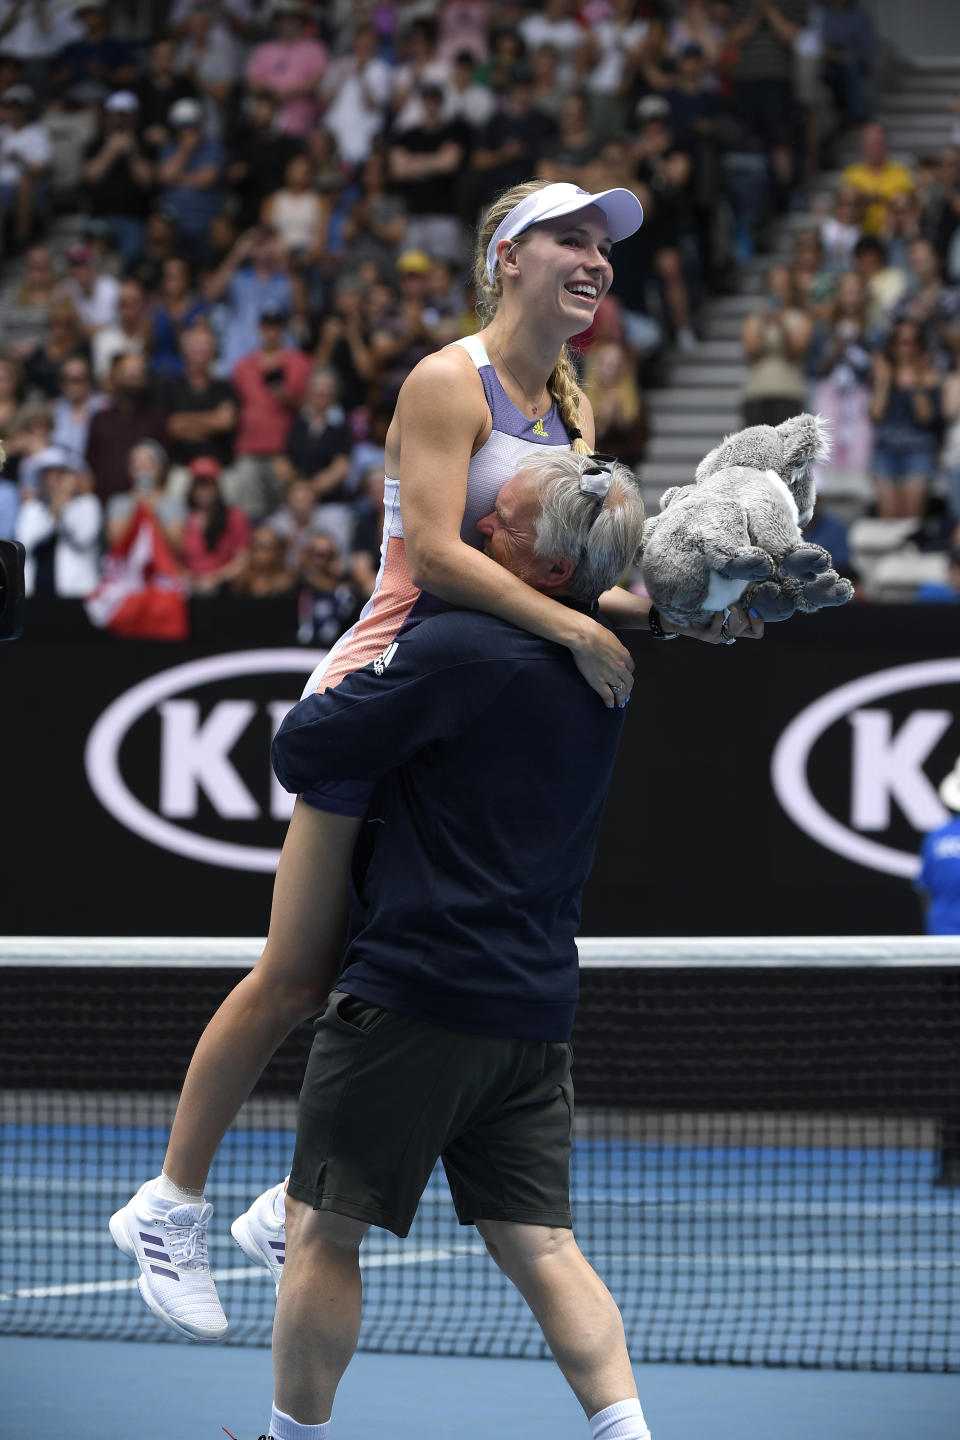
x=563 y=267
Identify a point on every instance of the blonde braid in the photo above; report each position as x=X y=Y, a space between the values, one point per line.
x=563 y=387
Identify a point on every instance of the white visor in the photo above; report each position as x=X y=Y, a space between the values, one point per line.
x=621 y=207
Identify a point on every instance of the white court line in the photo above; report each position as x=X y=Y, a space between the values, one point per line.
x=241 y=1272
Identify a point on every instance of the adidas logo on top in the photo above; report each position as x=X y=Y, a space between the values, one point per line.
x=384 y=658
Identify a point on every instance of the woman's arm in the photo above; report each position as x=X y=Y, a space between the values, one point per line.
x=441 y=411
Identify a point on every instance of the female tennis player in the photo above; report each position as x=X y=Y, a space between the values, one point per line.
x=466 y=418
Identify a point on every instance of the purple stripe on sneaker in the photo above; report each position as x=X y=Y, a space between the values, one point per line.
x=277 y=1244
x=151 y=1239
x=156 y=1255
x=159 y=1270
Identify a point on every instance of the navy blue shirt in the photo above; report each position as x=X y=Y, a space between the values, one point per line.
x=494 y=758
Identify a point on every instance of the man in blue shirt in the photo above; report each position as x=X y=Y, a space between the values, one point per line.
x=448 y=1034
x=939 y=878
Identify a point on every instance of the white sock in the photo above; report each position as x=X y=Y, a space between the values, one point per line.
x=166 y=1189
x=623 y=1421
x=284 y=1427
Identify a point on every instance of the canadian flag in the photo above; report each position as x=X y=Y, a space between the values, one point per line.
x=141 y=595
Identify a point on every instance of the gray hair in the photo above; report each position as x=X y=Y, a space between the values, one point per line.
x=604 y=541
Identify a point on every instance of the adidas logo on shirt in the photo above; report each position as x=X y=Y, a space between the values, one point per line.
x=384 y=658
x=539 y=430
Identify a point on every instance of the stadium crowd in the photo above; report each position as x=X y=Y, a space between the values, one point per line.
x=277 y=203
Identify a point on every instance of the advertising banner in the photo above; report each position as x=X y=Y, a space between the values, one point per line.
x=779 y=787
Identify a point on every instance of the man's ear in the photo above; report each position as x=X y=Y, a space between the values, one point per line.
x=559 y=570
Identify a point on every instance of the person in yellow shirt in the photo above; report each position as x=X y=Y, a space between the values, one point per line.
x=877 y=178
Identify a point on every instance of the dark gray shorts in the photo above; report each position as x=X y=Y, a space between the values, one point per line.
x=386 y=1095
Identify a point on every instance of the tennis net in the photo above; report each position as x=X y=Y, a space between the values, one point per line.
x=766 y=1165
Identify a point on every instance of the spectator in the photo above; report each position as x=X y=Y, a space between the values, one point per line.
x=762 y=35
x=11 y=401
x=266 y=572
x=296 y=518
x=344 y=343
x=776 y=341
x=97 y=57
x=118 y=176
x=462 y=27
x=877 y=178
x=25 y=156
x=927 y=301
x=507 y=149
x=201 y=409
x=840 y=231
x=423 y=164
x=290 y=67
x=179 y=307
x=376 y=222
x=547 y=91
x=827 y=530
x=699 y=23
x=418 y=68
x=60 y=528
x=160 y=242
x=216 y=536
x=905 y=408
x=883 y=284
x=555 y=24
x=9 y=507
x=270 y=383
x=130 y=416
x=188 y=175
x=846 y=33
x=576 y=144
x=32 y=35
x=319 y=442
x=210 y=69
x=666 y=171
x=842 y=365
x=901 y=226
x=75 y=406
x=231 y=26
x=29 y=437
x=93 y=293
x=147 y=473
x=258 y=153
x=945 y=592
x=941 y=218
x=297 y=214
x=938 y=881
x=403 y=335
x=508 y=55
x=26 y=319
x=813 y=283
x=611 y=51
x=610 y=384
x=252 y=277
x=368 y=531
x=157 y=91
x=950 y=455
x=64 y=338
x=357 y=89
x=328 y=603
x=465 y=99
x=132 y=331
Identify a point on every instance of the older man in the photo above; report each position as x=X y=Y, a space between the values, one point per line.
x=447 y=1036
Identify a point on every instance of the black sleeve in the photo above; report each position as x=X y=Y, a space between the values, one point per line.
x=418 y=691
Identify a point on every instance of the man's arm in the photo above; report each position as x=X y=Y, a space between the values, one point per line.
x=419 y=690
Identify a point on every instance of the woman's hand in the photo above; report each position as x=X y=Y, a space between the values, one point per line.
x=724 y=628
x=604 y=663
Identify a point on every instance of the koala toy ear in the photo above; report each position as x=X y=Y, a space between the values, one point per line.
x=805 y=438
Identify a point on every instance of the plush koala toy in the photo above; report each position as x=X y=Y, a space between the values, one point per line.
x=734 y=534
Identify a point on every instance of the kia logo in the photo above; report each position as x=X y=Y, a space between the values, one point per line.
x=195 y=766
x=887 y=764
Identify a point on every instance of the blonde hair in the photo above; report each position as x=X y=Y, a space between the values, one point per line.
x=562 y=383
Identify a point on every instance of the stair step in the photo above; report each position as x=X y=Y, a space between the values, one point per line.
x=697 y=423
x=689 y=373
x=715 y=351
x=662 y=475
x=718 y=400
x=720 y=327
x=686 y=448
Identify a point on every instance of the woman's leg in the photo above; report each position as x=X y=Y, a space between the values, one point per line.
x=913 y=497
x=888 y=499
x=289 y=983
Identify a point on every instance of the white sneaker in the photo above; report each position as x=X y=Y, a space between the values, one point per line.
x=170 y=1246
x=261 y=1234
